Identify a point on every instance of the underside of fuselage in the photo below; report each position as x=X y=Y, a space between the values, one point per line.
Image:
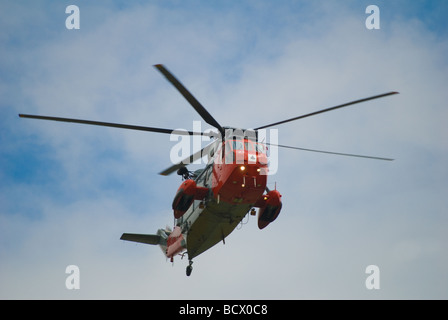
x=212 y=224
x=234 y=189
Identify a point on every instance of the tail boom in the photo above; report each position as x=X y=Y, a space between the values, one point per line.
x=171 y=242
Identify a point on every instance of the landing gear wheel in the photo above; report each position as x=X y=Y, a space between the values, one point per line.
x=189 y=268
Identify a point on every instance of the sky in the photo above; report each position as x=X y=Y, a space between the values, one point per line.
x=68 y=191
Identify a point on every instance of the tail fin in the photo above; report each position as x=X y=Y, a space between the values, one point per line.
x=156 y=239
x=143 y=238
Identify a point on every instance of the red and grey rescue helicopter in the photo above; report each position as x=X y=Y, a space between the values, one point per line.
x=211 y=202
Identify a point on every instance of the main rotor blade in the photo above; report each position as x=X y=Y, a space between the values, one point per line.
x=192 y=100
x=114 y=125
x=195 y=156
x=330 y=152
x=329 y=109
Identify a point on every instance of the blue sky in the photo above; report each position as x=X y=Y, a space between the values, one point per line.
x=69 y=191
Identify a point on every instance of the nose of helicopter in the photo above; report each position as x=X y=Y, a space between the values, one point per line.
x=246 y=183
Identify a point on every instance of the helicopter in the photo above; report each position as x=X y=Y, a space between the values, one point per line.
x=211 y=202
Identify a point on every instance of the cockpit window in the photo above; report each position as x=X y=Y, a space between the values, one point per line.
x=249 y=146
x=246 y=145
x=260 y=148
x=237 y=145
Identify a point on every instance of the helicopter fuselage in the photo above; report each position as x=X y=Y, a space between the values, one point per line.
x=236 y=177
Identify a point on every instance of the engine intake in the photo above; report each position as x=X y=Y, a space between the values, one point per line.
x=187 y=192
